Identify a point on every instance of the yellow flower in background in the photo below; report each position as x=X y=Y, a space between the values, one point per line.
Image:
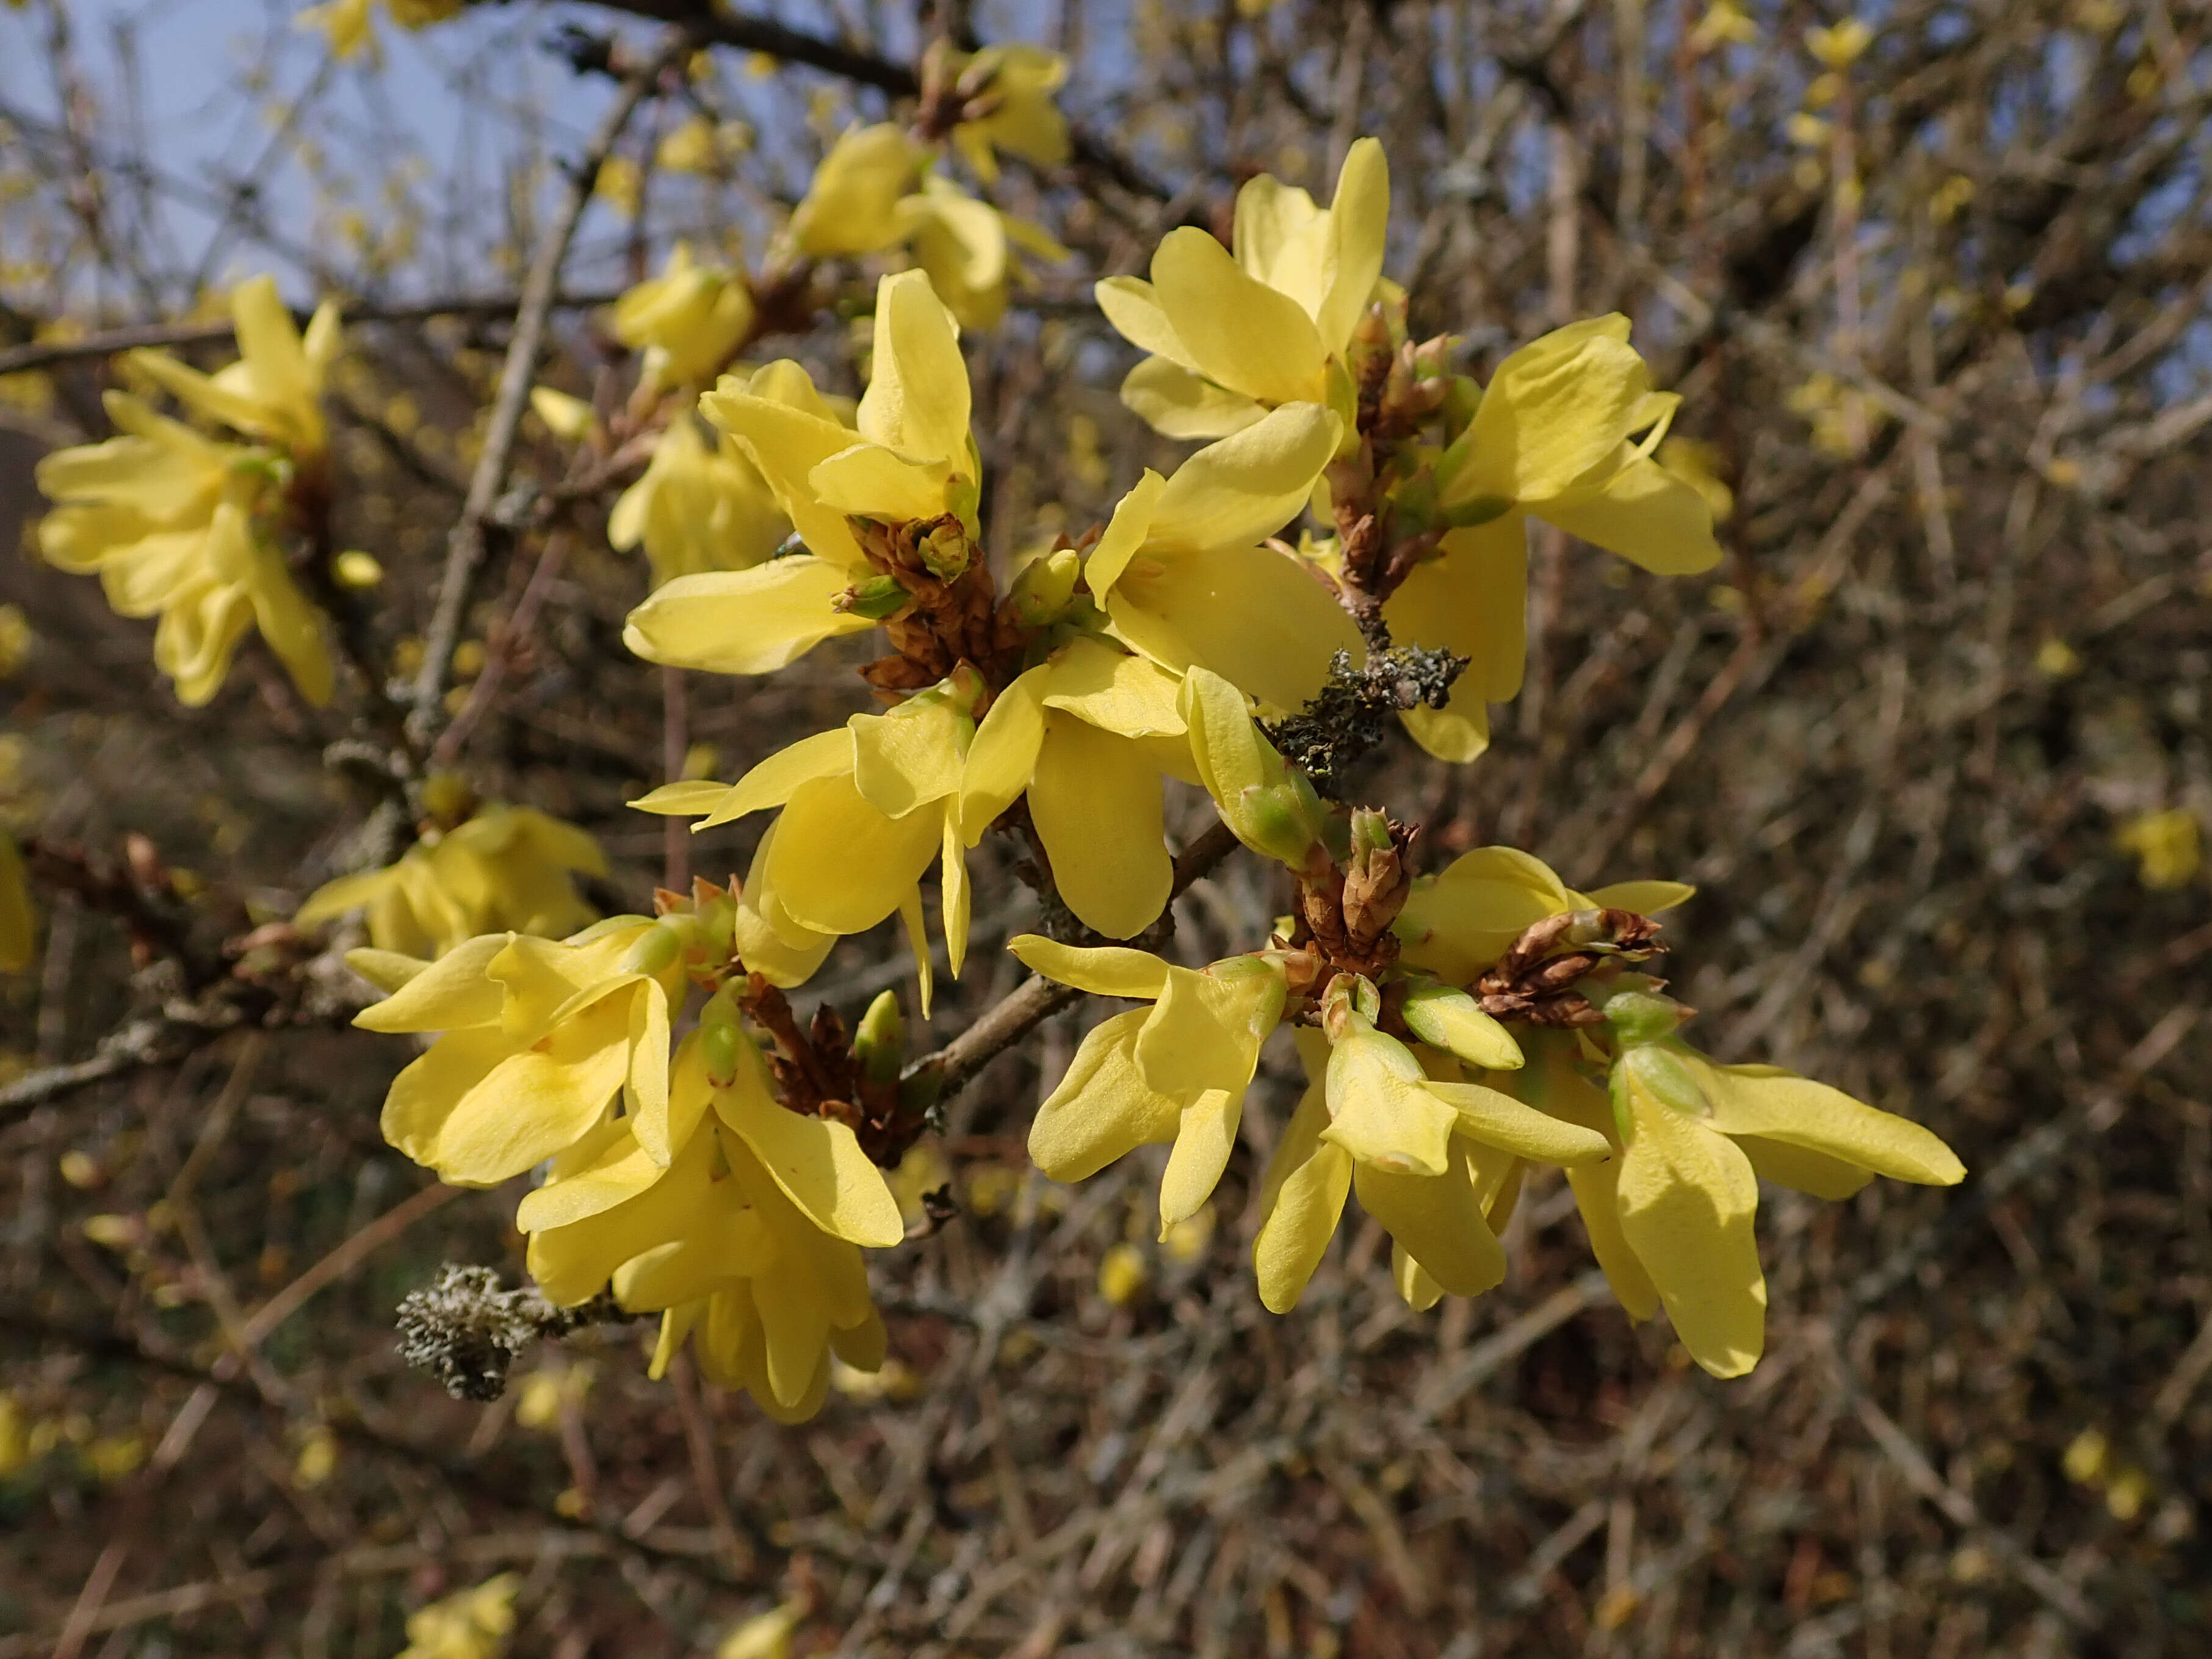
x=1181 y=576
x=2167 y=844
x=274 y=391
x=851 y=205
x=1233 y=337
x=866 y=811
x=19 y=927
x=348 y=26
x=507 y=869
x=873 y=192
x=1175 y=1072
x=689 y=321
x=1013 y=86
x=535 y=1039
x=757 y=620
x=472 y=1623
x=748 y=1240
x=1085 y=736
x=697 y=508
x=169 y=521
x=763 y=1636
x=1457 y=923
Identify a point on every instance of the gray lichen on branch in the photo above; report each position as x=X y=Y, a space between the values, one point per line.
x=466 y=1330
x=1358 y=706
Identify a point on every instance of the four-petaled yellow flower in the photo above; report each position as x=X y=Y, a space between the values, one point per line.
x=747 y=1242
x=1555 y=438
x=1012 y=86
x=1086 y=735
x=274 y=390
x=909 y=459
x=697 y=508
x=1175 y=1072
x=866 y=811
x=536 y=1038
x=1233 y=337
x=507 y=869
x=689 y=321
x=1182 y=577
x=1458 y=922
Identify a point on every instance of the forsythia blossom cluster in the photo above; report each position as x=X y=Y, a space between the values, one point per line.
x=189 y=528
x=703 y=1155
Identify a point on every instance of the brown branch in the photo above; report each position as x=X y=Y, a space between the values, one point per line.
x=49 y=354
x=1036 y=999
x=465 y=550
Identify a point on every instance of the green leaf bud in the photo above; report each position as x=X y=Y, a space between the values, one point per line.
x=880 y=1043
x=879 y=599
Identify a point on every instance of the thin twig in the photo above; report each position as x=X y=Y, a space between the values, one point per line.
x=465 y=550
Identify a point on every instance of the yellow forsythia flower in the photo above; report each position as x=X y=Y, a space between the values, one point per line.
x=697 y=508
x=2168 y=846
x=764 y=1636
x=18 y=939
x=472 y=1623
x=1013 y=85
x=506 y=868
x=1551 y=439
x=1230 y=337
x=689 y=321
x=347 y=23
x=873 y=193
x=179 y=526
x=535 y=1038
x=866 y=811
x=1085 y=737
x=1175 y=1071
x=748 y=1240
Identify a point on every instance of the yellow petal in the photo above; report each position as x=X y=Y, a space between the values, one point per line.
x=1102 y=1107
x=1098 y=808
x=786 y=439
x=1645 y=898
x=1557 y=409
x=1497 y=1120
x=607 y=1166
x=1240 y=333
x=1254 y=616
x=1766 y=1100
x=1107 y=970
x=1114 y=690
x=838 y=865
x=1382 y=1109
x=742 y=622
x=917 y=400
x=774 y=781
x=1649 y=516
x=1133 y=308
x=691 y=798
x=849 y=205
x=1358 y=221
x=1244 y=487
x=1207 y=1030
x=1176 y=403
x=818 y=1165
x=453 y=993
x=1125 y=533
x=1204 y=1137
x=1002 y=756
x=954 y=895
x=1801 y=1168
x=533 y=1104
x=1472 y=601
x=870 y=482
x=1687 y=1196
x=645 y=1088
x=1597 y=1195
x=903 y=760
x=915 y=925
x=270 y=343
x=1300 y=1200
x=1282 y=239
x=1459 y=923
x=1439 y=1220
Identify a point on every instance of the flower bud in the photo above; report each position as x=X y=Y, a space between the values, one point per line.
x=1446 y=1018
x=1655 y=1072
x=944 y=552
x=880 y=1043
x=1045 y=586
x=721 y=1038
x=654 y=950
x=879 y=599
x=1272 y=822
x=1349 y=1007
x=1639 y=1017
